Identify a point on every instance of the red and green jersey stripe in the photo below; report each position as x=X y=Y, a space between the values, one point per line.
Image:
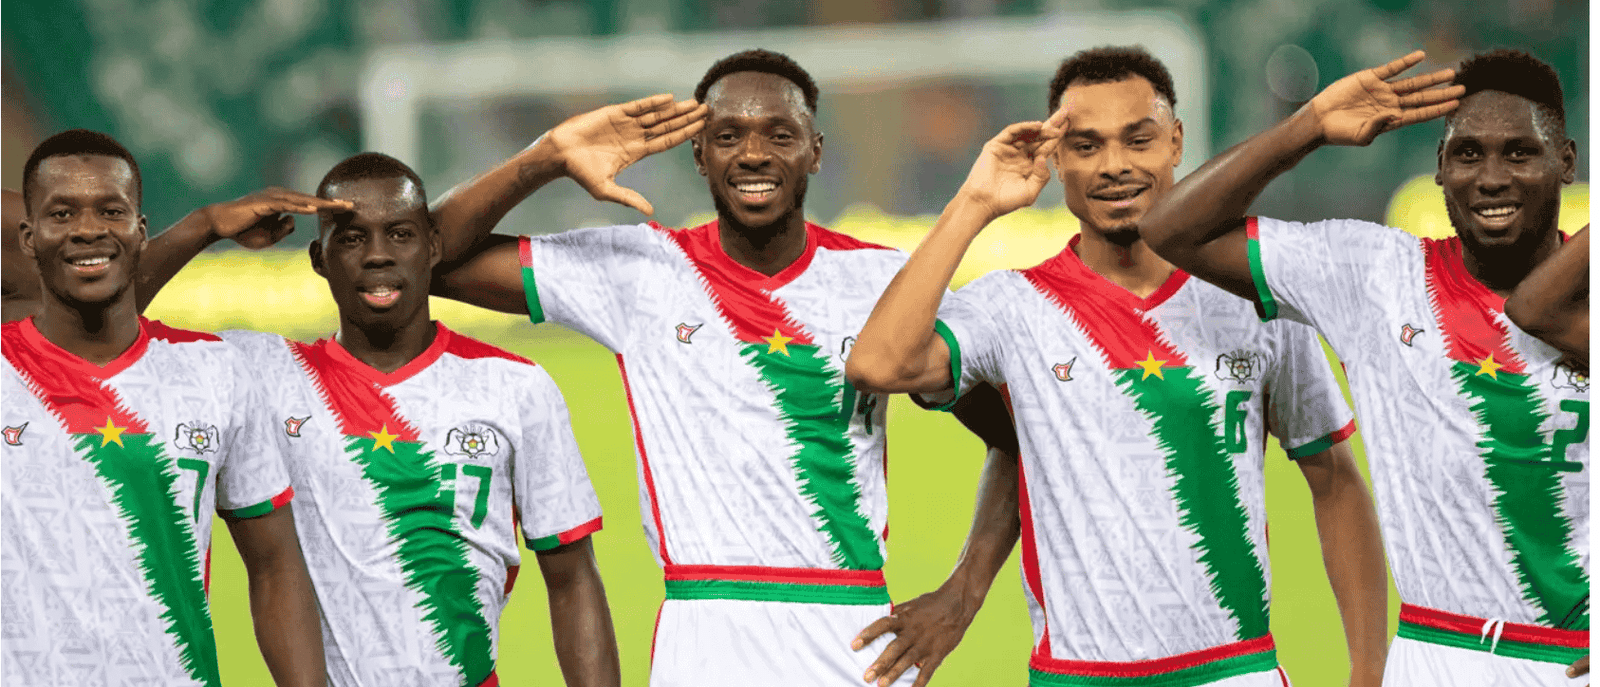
x=1522 y=472
x=788 y=585
x=416 y=495
x=1506 y=639
x=561 y=539
x=1184 y=670
x=1183 y=413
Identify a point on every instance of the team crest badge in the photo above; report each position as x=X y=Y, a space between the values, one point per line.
x=1064 y=370
x=1407 y=333
x=685 y=331
x=472 y=441
x=196 y=437
x=844 y=348
x=1564 y=377
x=1240 y=366
x=14 y=434
x=291 y=425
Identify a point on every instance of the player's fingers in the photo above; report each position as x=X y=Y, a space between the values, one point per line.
x=677 y=120
x=1421 y=81
x=1423 y=114
x=1060 y=119
x=925 y=671
x=621 y=195
x=634 y=108
x=1398 y=65
x=674 y=138
x=900 y=667
x=892 y=654
x=1021 y=132
x=1432 y=96
x=887 y=623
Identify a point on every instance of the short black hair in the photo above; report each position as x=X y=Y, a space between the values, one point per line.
x=1109 y=64
x=78 y=142
x=1518 y=73
x=759 y=60
x=369 y=166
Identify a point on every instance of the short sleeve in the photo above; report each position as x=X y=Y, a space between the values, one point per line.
x=967 y=325
x=252 y=479
x=1319 y=274
x=552 y=489
x=1309 y=414
x=584 y=278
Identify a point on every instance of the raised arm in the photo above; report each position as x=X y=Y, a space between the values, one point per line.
x=1552 y=302
x=586 y=644
x=1352 y=552
x=898 y=349
x=282 y=604
x=1199 y=225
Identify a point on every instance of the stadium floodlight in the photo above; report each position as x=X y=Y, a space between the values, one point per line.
x=397 y=81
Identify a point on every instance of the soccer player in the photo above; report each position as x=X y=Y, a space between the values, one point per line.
x=121 y=435
x=761 y=470
x=417 y=453
x=1142 y=399
x=1478 y=439
x=256 y=221
x=1552 y=303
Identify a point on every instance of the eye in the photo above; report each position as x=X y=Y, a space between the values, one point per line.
x=725 y=137
x=401 y=234
x=1468 y=153
x=349 y=238
x=113 y=212
x=1085 y=147
x=783 y=137
x=60 y=214
x=1141 y=142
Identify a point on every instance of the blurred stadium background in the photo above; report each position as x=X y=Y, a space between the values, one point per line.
x=218 y=98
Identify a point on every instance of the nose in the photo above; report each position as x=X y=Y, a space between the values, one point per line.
x=380 y=252
x=1114 y=162
x=753 y=152
x=1494 y=176
x=88 y=227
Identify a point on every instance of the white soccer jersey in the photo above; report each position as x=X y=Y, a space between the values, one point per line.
x=110 y=474
x=754 y=454
x=1142 y=426
x=411 y=485
x=1478 y=440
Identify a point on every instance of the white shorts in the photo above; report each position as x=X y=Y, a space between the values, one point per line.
x=760 y=640
x=1250 y=663
x=1441 y=648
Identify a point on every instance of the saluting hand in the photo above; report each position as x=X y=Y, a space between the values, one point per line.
x=261 y=219
x=1355 y=109
x=1014 y=166
x=595 y=146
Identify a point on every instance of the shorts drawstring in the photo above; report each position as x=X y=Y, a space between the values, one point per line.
x=1497 y=625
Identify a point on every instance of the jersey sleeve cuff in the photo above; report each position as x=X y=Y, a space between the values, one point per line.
x=530 y=288
x=562 y=538
x=943 y=330
x=259 y=509
x=1266 y=305
x=1322 y=444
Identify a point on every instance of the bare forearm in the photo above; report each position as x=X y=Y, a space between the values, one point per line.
x=287 y=628
x=169 y=251
x=996 y=526
x=585 y=641
x=1552 y=303
x=1352 y=552
x=467 y=213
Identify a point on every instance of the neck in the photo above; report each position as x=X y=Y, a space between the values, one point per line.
x=766 y=249
x=387 y=349
x=1132 y=266
x=1502 y=269
x=96 y=332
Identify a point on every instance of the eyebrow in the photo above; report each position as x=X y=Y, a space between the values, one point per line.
x=1094 y=133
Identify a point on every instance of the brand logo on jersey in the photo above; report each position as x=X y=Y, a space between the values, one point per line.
x=1240 y=366
x=196 y=437
x=845 y=348
x=1064 y=370
x=1564 y=377
x=1407 y=333
x=291 y=425
x=472 y=441
x=14 y=434
x=685 y=331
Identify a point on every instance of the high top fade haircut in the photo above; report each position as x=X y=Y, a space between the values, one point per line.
x=1520 y=74
x=78 y=142
x=371 y=166
x=765 y=61
x=1110 y=64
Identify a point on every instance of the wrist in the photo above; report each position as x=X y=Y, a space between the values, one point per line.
x=972 y=207
x=207 y=230
x=542 y=158
x=1306 y=126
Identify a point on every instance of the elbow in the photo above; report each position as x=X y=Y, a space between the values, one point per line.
x=872 y=374
x=1528 y=318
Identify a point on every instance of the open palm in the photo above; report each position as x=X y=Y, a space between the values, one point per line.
x=1355 y=109
x=596 y=146
x=1014 y=166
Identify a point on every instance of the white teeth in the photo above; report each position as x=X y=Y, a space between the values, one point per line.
x=1501 y=211
x=762 y=187
x=381 y=291
x=91 y=262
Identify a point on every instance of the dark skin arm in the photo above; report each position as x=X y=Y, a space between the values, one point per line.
x=1199 y=225
x=19 y=276
x=1352 y=553
x=586 y=644
x=282 y=604
x=1552 y=303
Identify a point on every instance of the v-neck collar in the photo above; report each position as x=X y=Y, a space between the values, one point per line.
x=1175 y=281
x=37 y=340
x=429 y=355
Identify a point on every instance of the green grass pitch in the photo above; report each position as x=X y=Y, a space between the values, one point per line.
x=933 y=471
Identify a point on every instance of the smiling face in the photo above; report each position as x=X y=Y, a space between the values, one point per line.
x=1502 y=173
x=1119 y=153
x=758 y=149
x=84 y=231
x=379 y=258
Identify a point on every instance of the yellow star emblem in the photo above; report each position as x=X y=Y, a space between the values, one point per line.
x=383 y=439
x=110 y=433
x=1151 y=366
x=778 y=343
x=1488 y=366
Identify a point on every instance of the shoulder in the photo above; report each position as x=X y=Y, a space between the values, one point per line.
x=252 y=341
x=1350 y=235
x=159 y=331
x=468 y=348
x=832 y=240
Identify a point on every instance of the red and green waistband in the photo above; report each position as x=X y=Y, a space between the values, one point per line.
x=789 y=585
x=1516 y=640
x=1183 y=670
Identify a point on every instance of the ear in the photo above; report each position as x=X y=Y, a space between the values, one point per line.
x=1438 y=169
x=699 y=157
x=1177 y=142
x=25 y=238
x=315 y=251
x=144 y=233
x=816 y=154
x=435 y=248
x=1569 y=162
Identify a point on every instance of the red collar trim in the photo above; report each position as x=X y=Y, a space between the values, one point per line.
x=716 y=254
x=36 y=339
x=441 y=340
x=1168 y=288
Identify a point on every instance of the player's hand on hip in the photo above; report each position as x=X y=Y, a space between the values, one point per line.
x=927 y=629
x=1355 y=109
x=1579 y=667
x=1014 y=166
x=595 y=146
x=261 y=219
